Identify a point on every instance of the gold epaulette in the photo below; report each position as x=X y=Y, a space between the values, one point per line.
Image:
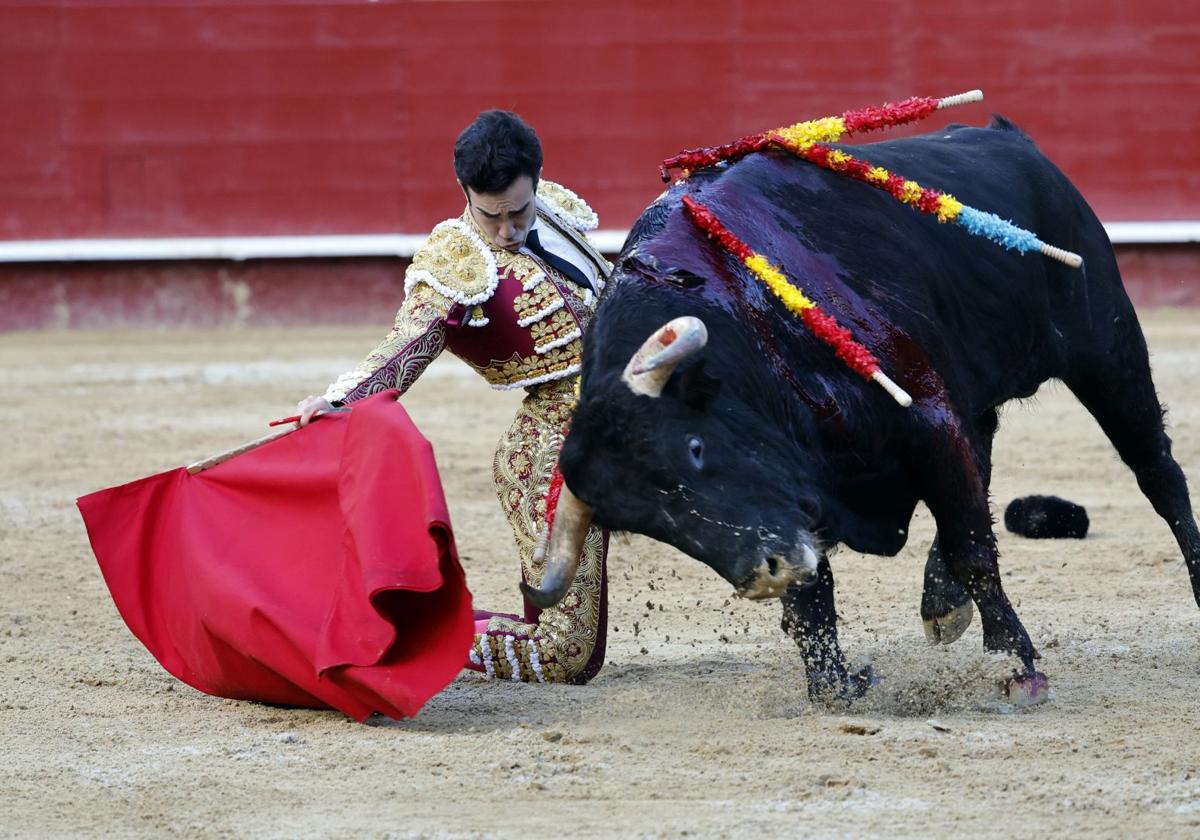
x=569 y=208
x=456 y=262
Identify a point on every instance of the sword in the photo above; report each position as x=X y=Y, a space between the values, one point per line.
x=222 y=457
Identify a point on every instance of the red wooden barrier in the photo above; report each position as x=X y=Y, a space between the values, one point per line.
x=236 y=118
x=285 y=293
x=243 y=118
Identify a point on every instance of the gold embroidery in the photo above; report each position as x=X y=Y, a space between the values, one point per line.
x=458 y=258
x=504 y=373
x=558 y=324
x=572 y=209
x=522 y=266
x=565 y=636
x=537 y=299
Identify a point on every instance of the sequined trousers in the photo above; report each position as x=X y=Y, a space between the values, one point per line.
x=565 y=643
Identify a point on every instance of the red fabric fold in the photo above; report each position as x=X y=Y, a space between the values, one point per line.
x=318 y=570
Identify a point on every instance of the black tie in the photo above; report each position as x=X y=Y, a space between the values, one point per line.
x=563 y=267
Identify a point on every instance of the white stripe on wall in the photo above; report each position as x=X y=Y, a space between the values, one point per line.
x=391 y=245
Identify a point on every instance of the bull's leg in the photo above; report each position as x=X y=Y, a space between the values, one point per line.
x=955 y=489
x=1121 y=397
x=810 y=619
x=973 y=561
x=945 y=605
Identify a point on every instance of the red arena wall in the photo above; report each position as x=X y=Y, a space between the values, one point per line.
x=306 y=118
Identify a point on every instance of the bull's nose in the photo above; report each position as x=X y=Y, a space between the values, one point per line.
x=774 y=575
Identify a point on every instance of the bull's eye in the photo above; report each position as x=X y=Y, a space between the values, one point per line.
x=696 y=450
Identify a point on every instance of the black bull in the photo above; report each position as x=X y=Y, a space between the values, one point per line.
x=761 y=451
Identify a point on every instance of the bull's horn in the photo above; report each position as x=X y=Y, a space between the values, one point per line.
x=571 y=522
x=651 y=366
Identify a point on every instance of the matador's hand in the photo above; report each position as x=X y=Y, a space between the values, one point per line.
x=309 y=406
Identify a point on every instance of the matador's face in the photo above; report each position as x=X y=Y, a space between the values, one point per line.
x=505 y=217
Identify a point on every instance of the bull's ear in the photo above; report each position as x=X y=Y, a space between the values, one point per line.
x=696 y=388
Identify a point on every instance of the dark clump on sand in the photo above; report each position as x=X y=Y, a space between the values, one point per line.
x=1046 y=517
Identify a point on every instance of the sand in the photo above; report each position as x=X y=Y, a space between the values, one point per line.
x=698 y=725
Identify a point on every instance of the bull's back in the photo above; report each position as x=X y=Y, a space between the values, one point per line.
x=994 y=323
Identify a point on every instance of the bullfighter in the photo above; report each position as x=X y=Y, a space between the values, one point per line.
x=509 y=287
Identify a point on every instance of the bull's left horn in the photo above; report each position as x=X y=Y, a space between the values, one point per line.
x=651 y=366
x=572 y=519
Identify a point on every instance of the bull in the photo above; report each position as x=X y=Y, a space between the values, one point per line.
x=710 y=419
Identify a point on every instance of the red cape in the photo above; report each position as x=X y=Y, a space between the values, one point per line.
x=318 y=570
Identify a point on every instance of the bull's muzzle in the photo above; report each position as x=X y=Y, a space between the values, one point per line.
x=775 y=574
x=572 y=519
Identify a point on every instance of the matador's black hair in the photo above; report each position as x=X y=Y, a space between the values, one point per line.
x=495 y=150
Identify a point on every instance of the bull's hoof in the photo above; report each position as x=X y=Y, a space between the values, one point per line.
x=944 y=629
x=843 y=688
x=1027 y=689
x=860 y=682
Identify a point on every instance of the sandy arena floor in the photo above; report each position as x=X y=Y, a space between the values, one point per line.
x=698 y=725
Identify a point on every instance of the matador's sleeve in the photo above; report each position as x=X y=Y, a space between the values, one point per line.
x=452 y=271
x=415 y=340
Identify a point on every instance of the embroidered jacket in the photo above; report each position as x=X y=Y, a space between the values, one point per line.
x=511 y=317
